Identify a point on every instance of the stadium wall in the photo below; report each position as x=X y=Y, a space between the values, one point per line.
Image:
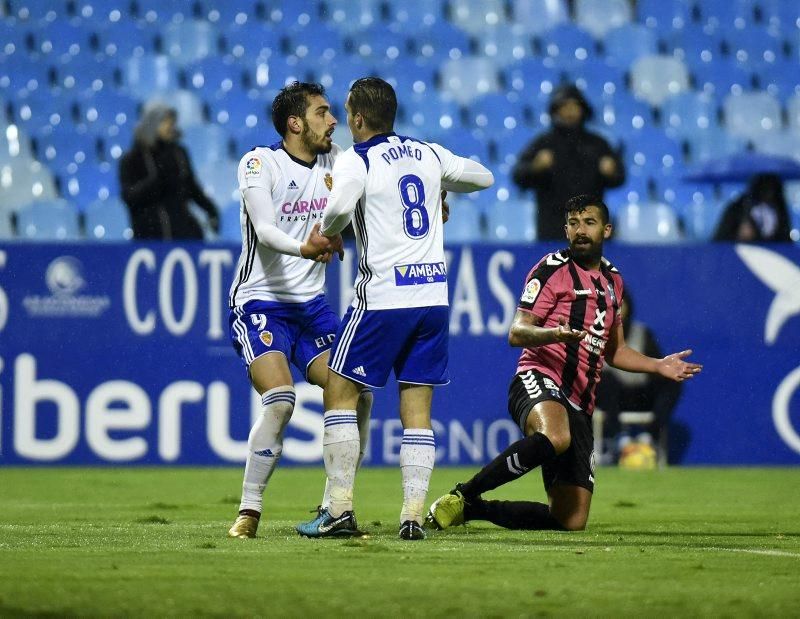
x=119 y=354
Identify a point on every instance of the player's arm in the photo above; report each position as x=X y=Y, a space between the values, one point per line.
x=349 y=182
x=527 y=332
x=460 y=174
x=621 y=356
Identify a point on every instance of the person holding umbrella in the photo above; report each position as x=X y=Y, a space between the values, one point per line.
x=758 y=215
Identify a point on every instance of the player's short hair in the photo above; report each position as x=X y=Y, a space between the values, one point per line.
x=578 y=204
x=376 y=101
x=292 y=100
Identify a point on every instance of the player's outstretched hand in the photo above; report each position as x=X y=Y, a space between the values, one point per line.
x=445 y=207
x=565 y=334
x=317 y=247
x=675 y=368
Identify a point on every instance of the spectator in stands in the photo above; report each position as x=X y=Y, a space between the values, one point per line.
x=157 y=181
x=566 y=161
x=627 y=391
x=758 y=215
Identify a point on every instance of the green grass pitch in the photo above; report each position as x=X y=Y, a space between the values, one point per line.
x=151 y=542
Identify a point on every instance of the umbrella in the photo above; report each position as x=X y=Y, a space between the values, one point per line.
x=742 y=167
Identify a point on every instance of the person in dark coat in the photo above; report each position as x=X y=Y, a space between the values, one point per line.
x=157 y=181
x=758 y=215
x=566 y=161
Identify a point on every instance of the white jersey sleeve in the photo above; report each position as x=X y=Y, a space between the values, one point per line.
x=351 y=179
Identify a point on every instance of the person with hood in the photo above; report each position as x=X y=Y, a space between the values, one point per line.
x=758 y=215
x=568 y=160
x=157 y=181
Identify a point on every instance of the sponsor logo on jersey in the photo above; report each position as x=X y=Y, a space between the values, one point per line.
x=423 y=273
x=582 y=293
x=304 y=206
x=252 y=167
x=328 y=181
x=359 y=371
x=266 y=337
x=292 y=184
x=531 y=291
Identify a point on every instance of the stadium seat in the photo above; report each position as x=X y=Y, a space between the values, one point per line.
x=15 y=145
x=504 y=43
x=532 y=78
x=272 y=74
x=37 y=11
x=664 y=14
x=250 y=40
x=148 y=75
x=65 y=147
x=107 y=220
x=626 y=43
x=508 y=144
x=701 y=218
x=237 y=110
x=751 y=114
x=186 y=103
x=379 y=43
x=190 y=41
x=722 y=78
x=689 y=112
x=779 y=79
x=107 y=108
x=780 y=14
x=754 y=46
x=656 y=78
x=432 y=114
x=230 y=226
x=464 y=144
x=43 y=109
x=651 y=223
x=219 y=180
x=793 y=112
x=512 y=221
x=208 y=143
x=723 y=13
x=410 y=77
x=412 y=15
x=440 y=43
x=651 y=150
x=538 y=16
x=162 y=11
x=84 y=74
x=624 y=116
x=600 y=16
x=6 y=229
x=713 y=143
x=21 y=75
x=213 y=76
x=125 y=38
x=781 y=143
x=223 y=14
x=351 y=15
x=599 y=81
x=475 y=16
x=636 y=190
x=96 y=181
x=695 y=45
x=496 y=112
x=23 y=181
x=468 y=78
x=464 y=225
x=60 y=40
x=49 y=220
x=567 y=45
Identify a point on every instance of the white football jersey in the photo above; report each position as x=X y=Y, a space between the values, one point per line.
x=299 y=194
x=398 y=220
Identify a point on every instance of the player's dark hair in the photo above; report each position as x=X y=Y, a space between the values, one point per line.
x=292 y=100
x=376 y=101
x=578 y=204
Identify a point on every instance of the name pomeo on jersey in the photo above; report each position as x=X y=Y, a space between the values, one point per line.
x=415 y=274
x=404 y=150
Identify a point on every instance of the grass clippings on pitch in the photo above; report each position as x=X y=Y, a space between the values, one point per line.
x=151 y=542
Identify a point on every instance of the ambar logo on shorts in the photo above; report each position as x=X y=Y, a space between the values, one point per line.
x=64 y=279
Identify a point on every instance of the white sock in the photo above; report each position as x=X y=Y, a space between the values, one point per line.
x=340 y=449
x=265 y=444
x=363 y=410
x=417 y=455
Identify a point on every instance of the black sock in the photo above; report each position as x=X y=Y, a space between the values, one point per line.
x=518 y=458
x=513 y=514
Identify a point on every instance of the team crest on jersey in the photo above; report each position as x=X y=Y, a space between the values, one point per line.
x=252 y=167
x=531 y=291
x=328 y=181
x=266 y=337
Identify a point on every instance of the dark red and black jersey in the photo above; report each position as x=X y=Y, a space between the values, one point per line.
x=590 y=301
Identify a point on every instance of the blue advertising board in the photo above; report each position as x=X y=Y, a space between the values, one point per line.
x=119 y=354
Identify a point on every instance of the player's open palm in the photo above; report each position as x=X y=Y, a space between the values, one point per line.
x=565 y=334
x=675 y=368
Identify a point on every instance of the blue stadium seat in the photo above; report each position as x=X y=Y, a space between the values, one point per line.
x=464 y=144
x=636 y=190
x=225 y=14
x=16 y=38
x=567 y=45
x=474 y=16
x=780 y=79
x=219 y=180
x=781 y=143
x=600 y=16
x=696 y=45
x=537 y=16
x=793 y=112
x=272 y=74
x=148 y=75
x=432 y=114
x=753 y=46
x=124 y=38
x=107 y=220
x=599 y=81
x=6 y=229
x=412 y=15
x=90 y=183
x=320 y=43
x=683 y=197
x=509 y=144
x=379 y=43
x=49 y=220
x=60 y=40
x=751 y=114
x=213 y=76
x=208 y=144
x=780 y=14
x=652 y=151
x=737 y=13
x=532 y=78
x=43 y=109
x=623 y=116
x=651 y=223
x=504 y=43
x=351 y=15
x=83 y=75
x=37 y=11
x=468 y=78
x=251 y=40
x=186 y=103
x=689 y=112
x=21 y=75
x=162 y=11
x=65 y=147
x=664 y=14
x=22 y=181
x=465 y=224
x=722 y=77
x=105 y=109
x=511 y=221
x=702 y=218
x=410 y=77
x=496 y=112
x=338 y=76
x=713 y=143
x=626 y=43
x=656 y=78
x=230 y=226
x=440 y=42
x=286 y=15
x=190 y=41
x=15 y=144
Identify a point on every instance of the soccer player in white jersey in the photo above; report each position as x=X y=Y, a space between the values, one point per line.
x=390 y=186
x=278 y=312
